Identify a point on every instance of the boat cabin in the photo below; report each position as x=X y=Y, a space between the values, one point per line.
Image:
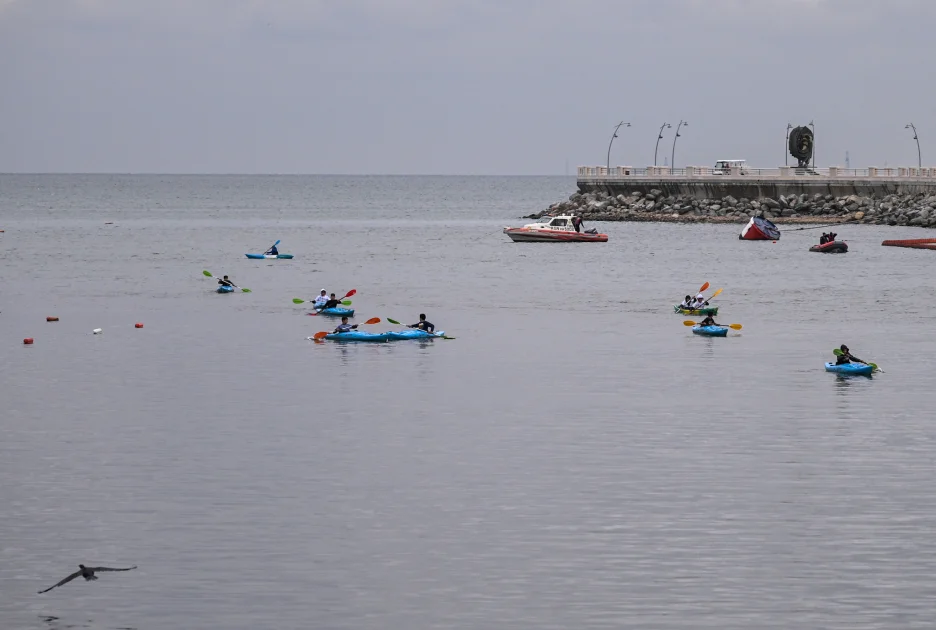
x=723 y=167
x=562 y=222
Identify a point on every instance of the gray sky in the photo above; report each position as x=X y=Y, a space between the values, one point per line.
x=508 y=87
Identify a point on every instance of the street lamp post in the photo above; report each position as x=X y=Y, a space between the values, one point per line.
x=786 y=146
x=613 y=136
x=673 y=156
x=813 y=125
x=659 y=137
x=917 y=138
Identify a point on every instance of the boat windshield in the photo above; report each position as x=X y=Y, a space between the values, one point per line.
x=559 y=222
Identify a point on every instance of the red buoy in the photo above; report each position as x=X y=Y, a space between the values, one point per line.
x=28 y=341
x=138 y=325
x=51 y=319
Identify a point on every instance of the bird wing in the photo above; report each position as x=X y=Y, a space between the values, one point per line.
x=96 y=569
x=65 y=581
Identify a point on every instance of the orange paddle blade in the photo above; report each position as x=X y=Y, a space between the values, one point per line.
x=319 y=335
x=373 y=320
x=703 y=287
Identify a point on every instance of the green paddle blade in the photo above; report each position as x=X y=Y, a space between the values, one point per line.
x=297 y=301
x=393 y=321
x=207 y=273
x=245 y=290
x=837 y=352
x=346 y=302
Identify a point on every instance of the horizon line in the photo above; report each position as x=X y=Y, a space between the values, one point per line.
x=234 y=174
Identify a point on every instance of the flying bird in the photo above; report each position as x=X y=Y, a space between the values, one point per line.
x=87 y=573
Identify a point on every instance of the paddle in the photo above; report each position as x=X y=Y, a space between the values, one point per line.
x=271 y=247
x=208 y=273
x=703 y=287
x=393 y=321
x=874 y=367
x=321 y=335
x=347 y=295
x=345 y=302
x=689 y=322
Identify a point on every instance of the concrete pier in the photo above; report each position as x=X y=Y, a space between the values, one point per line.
x=755 y=183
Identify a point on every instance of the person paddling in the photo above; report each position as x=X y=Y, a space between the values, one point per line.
x=846 y=356
x=226 y=282
x=344 y=326
x=687 y=303
x=331 y=303
x=423 y=324
x=272 y=251
x=708 y=321
x=699 y=301
x=321 y=299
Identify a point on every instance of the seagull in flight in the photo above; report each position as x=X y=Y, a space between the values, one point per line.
x=87 y=573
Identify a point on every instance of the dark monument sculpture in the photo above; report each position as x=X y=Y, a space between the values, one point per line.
x=801 y=146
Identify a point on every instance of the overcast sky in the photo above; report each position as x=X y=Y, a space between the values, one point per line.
x=509 y=87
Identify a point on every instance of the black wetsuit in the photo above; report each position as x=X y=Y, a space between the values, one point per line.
x=424 y=325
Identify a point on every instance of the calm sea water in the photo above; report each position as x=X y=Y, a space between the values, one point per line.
x=575 y=458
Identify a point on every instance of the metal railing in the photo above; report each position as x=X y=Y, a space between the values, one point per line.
x=695 y=172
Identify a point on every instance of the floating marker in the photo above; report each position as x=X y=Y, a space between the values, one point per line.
x=138 y=325
x=51 y=319
x=97 y=331
x=28 y=341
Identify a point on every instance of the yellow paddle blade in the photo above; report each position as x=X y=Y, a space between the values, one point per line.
x=714 y=294
x=735 y=326
x=689 y=322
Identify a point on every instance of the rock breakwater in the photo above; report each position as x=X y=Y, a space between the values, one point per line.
x=898 y=209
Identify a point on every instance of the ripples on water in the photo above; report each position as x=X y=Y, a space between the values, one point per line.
x=575 y=458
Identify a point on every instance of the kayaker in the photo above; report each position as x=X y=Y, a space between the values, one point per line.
x=321 y=299
x=272 y=251
x=423 y=324
x=332 y=302
x=699 y=301
x=687 y=303
x=226 y=282
x=846 y=356
x=708 y=321
x=577 y=223
x=344 y=326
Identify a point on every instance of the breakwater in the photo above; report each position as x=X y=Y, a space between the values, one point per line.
x=883 y=196
x=918 y=209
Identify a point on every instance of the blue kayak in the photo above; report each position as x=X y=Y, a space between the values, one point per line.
x=357 y=335
x=336 y=311
x=225 y=289
x=280 y=256
x=849 y=368
x=711 y=331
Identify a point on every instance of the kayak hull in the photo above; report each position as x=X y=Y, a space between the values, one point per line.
x=712 y=310
x=833 y=247
x=224 y=289
x=268 y=256
x=859 y=369
x=357 y=335
x=759 y=229
x=711 y=331
x=336 y=311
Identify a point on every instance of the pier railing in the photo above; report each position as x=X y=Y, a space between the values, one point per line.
x=623 y=173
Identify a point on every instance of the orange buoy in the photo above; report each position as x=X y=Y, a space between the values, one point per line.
x=138 y=325
x=28 y=341
x=51 y=319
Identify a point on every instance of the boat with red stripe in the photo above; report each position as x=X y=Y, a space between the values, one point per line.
x=559 y=229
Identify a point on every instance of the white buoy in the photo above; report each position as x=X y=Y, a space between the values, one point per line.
x=97 y=331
